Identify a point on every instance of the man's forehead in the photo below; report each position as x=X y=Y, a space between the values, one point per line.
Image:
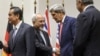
x=53 y=12
x=11 y=11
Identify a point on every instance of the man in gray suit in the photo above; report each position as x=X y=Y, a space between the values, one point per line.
x=21 y=41
x=87 y=40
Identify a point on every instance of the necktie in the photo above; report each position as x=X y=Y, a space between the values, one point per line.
x=60 y=32
x=14 y=33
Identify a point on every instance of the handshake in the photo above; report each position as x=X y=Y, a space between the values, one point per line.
x=56 y=51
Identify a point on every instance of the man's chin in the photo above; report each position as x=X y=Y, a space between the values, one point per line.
x=57 y=21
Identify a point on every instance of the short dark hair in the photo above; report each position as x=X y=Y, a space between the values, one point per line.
x=86 y=2
x=17 y=11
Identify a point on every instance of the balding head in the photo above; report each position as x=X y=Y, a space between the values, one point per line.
x=36 y=16
x=38 y=20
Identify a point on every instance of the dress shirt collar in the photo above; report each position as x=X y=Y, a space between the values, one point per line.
x=87 y=7
x=63 y=18
x=18 y=25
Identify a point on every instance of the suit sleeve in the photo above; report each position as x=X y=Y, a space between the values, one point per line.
x=30 y=42
x=43 y=47
x=6 y=49
x=73 y=27
x=82 y=33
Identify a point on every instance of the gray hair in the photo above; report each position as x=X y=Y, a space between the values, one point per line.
x=34 y=17
x=58 y=8
x=87 y=2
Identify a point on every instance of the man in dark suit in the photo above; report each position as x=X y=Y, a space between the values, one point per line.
x=87 y=40
x=67 y=31
x=21 y=41
x=42 y=42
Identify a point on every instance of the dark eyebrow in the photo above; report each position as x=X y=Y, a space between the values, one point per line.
x=53 y=14
x=9 y=14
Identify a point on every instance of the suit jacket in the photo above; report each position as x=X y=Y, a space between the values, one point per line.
x=67 y=36
x=41 y=48
x=24 y=44
x=87 y=40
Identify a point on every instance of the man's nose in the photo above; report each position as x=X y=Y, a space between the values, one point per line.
x=43 y=23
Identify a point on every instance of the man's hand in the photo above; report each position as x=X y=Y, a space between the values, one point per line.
x=57 y=52
x=5 y=44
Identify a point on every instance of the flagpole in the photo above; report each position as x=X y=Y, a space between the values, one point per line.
x=63 y=3
x=47 y=4
x=47 y=16
x=11 y=4
x=35 y=3
x=9 y=24
x=22 y=10
x=22 y=6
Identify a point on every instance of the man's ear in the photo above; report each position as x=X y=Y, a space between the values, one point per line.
x=80 y=1
x=17 y=15
x=33 y=22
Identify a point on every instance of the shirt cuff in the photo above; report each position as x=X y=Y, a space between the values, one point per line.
x=54 y=50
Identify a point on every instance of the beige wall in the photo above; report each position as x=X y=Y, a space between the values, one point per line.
x=70 y=7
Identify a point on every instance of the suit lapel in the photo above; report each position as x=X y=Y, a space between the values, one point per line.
x=18 y=34
x=64 y=25
x=45 y=36
x=39 y=36
x=11 y=39
x=89 y=8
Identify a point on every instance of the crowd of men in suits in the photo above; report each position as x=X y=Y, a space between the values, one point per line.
x=77 y=36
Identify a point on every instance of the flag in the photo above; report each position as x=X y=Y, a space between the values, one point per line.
x=9 y=28
x=57 y=36
x=47 y=23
